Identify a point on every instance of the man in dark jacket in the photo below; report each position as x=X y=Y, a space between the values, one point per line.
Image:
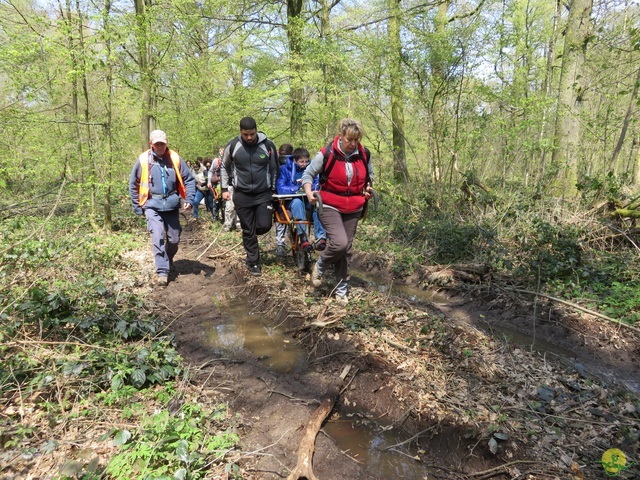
x=158 y=179
x=250 y=166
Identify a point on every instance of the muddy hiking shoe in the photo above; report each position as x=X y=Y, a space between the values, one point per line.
x=255 y=270
x=281 y=251
x=306 y=246
x=342 y=300
x=321 y=245
x=163 y=280
x=316 y=274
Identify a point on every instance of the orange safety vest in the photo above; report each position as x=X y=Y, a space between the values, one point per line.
x=143 y=193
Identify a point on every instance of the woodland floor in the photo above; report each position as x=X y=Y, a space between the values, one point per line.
x=461 y=371
x=445 y=382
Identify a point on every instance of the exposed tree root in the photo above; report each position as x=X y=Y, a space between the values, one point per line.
x=304 y=467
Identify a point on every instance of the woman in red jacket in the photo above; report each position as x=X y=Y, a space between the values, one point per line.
x=346 y=174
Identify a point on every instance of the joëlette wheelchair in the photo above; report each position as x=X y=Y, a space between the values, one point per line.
x=283 y=216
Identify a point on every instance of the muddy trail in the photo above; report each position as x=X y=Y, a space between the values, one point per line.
x=470 y=382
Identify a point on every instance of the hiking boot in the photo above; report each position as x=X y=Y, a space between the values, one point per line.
x=321 y=245
x=306 y=246
x=316 y=275
x=255 y=270
x=163 y=280
x=281 y=251
x=342 y=300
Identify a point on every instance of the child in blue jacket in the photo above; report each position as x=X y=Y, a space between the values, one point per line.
x=289 y=182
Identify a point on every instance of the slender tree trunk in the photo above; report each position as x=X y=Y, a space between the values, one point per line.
x=295 y=24
x=92 y=177
x=148 y=121
x=571 y=92
x=400 y=172
x=106 y=30
x=546 y=88
x=327 y=70
x=625 y=123
x=75 y=68
x=439 y=62
x=636 y=167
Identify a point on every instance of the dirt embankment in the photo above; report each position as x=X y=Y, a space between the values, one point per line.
x=465 y=397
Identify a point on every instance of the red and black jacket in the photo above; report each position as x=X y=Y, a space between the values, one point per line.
x=334 y=187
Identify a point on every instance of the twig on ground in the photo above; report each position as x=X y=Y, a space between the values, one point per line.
x=500 y=469
x=404 y=348
x=247 y=454
x=214 y=360
x=409 y=440
x=208 y=247
x=294 y=399
x=341 y=352
x=224 y=254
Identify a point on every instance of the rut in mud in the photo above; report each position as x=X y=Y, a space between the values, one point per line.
x=430 y=393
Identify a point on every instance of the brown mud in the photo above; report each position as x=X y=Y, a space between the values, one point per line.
x=452 y=379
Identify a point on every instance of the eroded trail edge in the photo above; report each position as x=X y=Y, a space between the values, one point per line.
x=469 y=404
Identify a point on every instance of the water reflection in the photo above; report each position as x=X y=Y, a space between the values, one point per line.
x=366 y=440
x=244 y=332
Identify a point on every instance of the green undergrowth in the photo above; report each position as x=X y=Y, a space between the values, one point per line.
x=529 y=241
x=80 y=348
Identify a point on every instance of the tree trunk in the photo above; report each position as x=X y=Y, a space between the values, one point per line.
x=88 y=138
x=147 y=121
x=400 y=172
x=107 y=224
x=546 y=89
x=625 y=123
x=570 y=95
x=329 y=102
x=295 y=25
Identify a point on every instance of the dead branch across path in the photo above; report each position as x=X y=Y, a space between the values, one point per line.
x=304 y=467
x=577 y=307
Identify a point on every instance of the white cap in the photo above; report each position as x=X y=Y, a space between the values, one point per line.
x=157 y=136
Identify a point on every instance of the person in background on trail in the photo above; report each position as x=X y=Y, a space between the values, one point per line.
x=231 y=219
x=289 y=182
x=202 y=190
x=158 y=179
x=213 y=184
x=346 y=176
x=284 y=153
x=250 y=166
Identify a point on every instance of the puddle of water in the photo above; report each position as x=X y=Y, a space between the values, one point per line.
x=244 y=332
x=408 y=291
x=365 y=440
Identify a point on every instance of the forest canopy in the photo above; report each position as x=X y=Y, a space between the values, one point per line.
x=537 y=93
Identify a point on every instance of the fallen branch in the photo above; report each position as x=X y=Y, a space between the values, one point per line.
x=304 y=468
x=316 y=323
x=224 y=254
x=577 y=307
x=399 y=346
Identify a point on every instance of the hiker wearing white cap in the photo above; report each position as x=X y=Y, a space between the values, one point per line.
x=158 y=180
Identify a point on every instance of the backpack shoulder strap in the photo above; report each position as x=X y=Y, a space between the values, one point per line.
x=328 y=163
